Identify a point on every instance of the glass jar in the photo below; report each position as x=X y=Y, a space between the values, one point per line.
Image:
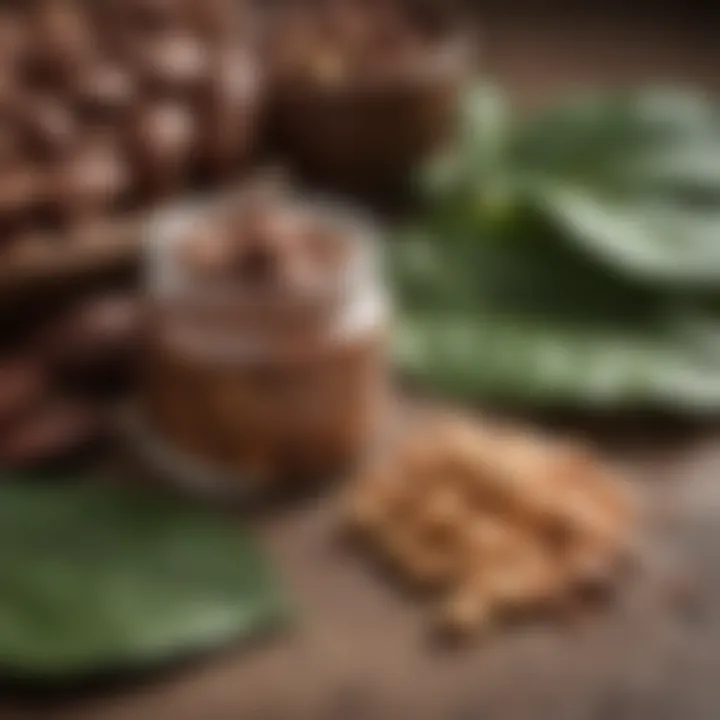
x=241 y=391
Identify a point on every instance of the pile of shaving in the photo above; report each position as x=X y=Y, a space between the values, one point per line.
x=495 y=521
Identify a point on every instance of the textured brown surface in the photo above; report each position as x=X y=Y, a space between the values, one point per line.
x=358 y=649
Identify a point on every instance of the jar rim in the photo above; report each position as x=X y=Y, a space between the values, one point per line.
x=166 y=279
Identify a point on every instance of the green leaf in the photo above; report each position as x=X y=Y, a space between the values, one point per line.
x=524 y=271
x=551 y=364
x=632 y=177
x=597 y=137
x=479 y=145
x=94 y=579
x=526 y=319
x=567 y=255
x=465 y=182
x=684 y=172
x=656 y=241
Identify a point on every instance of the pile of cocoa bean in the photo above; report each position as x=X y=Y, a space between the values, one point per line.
x=58 y=384
x=110 y=105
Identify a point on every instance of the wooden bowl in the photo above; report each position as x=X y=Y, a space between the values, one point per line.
x=368 y=135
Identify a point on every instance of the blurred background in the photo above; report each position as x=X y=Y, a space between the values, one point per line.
x=539 y=49
x=357 y=653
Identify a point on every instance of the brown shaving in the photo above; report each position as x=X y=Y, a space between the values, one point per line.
x=493 y=521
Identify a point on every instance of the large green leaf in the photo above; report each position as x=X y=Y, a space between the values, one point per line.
x=94 y=579
x=599 y=137
x=522 y=360
x=652 y=239
x=565 y=255
x=524 y=320
x=633 y=178
x=522 y=271
x=477 y=152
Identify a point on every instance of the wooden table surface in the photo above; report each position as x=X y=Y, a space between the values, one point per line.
x=359 y=648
